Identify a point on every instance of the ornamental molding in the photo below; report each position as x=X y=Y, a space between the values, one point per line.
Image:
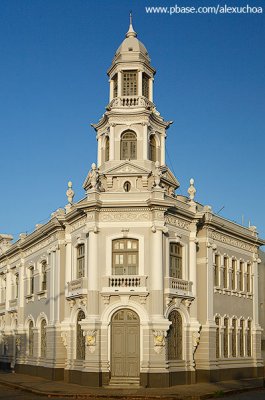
x=39 y=245
x=180 y=223
x=127 y=216
x=232 y=242
x=80 y=223
x=159 y=340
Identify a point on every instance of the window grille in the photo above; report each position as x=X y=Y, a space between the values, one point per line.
x=175 y=336
x=31 y=338
x=241 y=338
x=233 y=276
x=129 y=87
x=44 y=276
x=226 y=333
x=225 y=272
x=216 y=270
x=145 y=88
x=43 y=338
x=249 y=333
x=80 y=338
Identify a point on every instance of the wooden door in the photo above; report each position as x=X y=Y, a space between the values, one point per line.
x=125 y=344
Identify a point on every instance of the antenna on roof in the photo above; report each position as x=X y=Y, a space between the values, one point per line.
x=220 y=210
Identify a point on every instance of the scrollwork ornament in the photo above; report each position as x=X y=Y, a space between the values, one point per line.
x=159 y=340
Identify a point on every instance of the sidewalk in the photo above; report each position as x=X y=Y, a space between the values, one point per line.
x=197 y=391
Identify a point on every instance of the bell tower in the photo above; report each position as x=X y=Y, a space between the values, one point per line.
x=132 y=133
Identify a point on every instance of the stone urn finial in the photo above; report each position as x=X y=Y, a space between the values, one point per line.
x=191 y=190
x=70 y=193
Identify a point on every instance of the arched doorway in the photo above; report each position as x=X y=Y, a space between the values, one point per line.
x=125 y=346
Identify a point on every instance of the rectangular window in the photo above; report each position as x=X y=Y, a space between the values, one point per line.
x=44 y=276
x=241 y=338
x=175 y=267
x=31 y=280
x=233 y=275
x=234 y=333
x=81 y=261
x=115 y=86
x=241 y=276
x=248 y=278
x=226 y=333
x=225 y=271
x=125 y=257
x=249 y=334
x=129 y=87
x=145 y=88
x=216 y=270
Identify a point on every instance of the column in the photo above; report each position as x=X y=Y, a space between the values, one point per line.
x=99 y=138
x=210 y=283
x=163 y=148
x=52 y=284
x=111 y=88
x=119 y=83
x=111 y=143
x=193 y=266
x=151 y=82
x=145 y=141
x=93 y=273
x=140 y=83
x=157 y=273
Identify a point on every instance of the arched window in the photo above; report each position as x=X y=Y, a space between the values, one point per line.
x=43 y=338
x=217 y=338
x=175 y=335
x=107 y=149
x=152 y=144
x=128 y=146
x=241 y=338
x=125 y=257
x=216 y=269
x=44 y=275
x=175 y=266
x=80 y=338
x=249 y=334
x=31 y=338
x=226 y=333
x=234 y=333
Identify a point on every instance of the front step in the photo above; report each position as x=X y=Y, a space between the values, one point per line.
x=124 y=382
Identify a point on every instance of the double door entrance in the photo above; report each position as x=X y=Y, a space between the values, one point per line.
x=125 y=346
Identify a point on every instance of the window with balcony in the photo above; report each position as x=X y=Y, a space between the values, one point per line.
x=80 y=338
x=241 y=276
x=129 y=83
x=225 y=272
x=216 y=269
x=152 y=144
x=31 y=281
x=248 y=278
x=80 y=261
x=128 y=146
x=233 y=275
x=175 y=336
x=175 y=266
x=44 y=275
x=125 y=257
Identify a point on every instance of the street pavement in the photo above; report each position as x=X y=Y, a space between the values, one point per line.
x=20 y=386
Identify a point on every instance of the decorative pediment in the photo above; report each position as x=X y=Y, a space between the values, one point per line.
x=127 y=168
x=168 y=176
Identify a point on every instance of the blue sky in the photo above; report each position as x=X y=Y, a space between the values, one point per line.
x=210 y=81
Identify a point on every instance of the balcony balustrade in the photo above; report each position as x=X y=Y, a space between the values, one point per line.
x=131 y=102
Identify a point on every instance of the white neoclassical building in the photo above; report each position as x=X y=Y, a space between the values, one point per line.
x=134 y=284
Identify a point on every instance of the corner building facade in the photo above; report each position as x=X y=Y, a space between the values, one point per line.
x=134 y=284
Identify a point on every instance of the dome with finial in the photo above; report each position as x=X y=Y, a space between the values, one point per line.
x=131 y=48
